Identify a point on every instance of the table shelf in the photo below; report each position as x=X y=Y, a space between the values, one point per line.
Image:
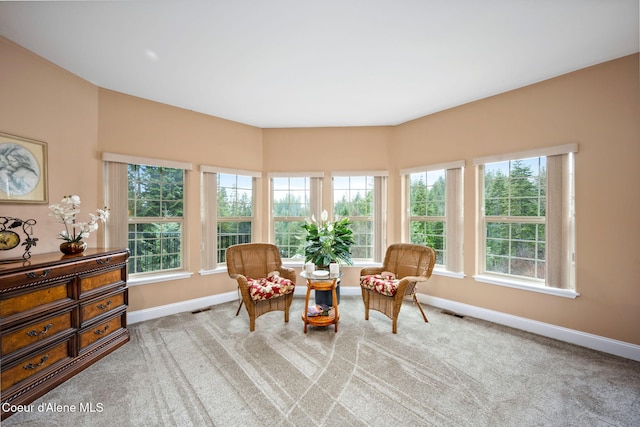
x=321 y=284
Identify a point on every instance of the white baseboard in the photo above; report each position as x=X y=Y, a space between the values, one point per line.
x=596 y=342
x=179 y=307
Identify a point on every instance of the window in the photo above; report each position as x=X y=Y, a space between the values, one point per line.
x=235 y=211
x=526 y=212
x=149 y=217
x=228 y=199
x=427 y=222
x=514 y=217
x=293 y=200
x=361 y=198
x=156 y=215
x=435 y=212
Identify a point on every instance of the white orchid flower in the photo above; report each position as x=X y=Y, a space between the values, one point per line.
x=66 y=212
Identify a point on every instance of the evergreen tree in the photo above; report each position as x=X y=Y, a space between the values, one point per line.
x=155 y=192
x=514 y=247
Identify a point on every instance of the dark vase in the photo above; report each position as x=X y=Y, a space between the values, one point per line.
x=73 y=248
x=326 y=297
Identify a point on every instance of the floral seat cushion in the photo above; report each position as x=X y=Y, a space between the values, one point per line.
x=385 y=283
x=270 y=287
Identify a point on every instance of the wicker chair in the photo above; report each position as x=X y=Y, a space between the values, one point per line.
x=253 y=263
x=384 y=288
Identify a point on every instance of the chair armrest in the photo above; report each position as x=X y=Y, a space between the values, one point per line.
x=408 y=283
x=370 y=271
x=243 y=283
x=288 y=273
x=415 y=278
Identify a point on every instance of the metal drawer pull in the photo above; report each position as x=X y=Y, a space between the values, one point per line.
x=32 y=366
x=101 y=331
x=34 y=275
x=102 y=306
x=104 y=261
x=35 y=333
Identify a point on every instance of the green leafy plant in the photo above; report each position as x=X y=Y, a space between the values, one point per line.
x=328 y=241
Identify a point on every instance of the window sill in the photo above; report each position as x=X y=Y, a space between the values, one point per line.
x=448 y=273
x=218 y=270
x=526 y=286
x=155 y=278
x=358 y=264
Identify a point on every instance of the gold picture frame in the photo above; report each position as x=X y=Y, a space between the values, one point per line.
x=23 y=170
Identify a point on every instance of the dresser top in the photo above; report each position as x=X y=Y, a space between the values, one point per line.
x=56 y=258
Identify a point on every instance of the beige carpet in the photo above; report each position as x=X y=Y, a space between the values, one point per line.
x=207 y=369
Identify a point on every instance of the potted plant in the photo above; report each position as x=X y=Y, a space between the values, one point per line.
x=74 y=231
x=328 y=241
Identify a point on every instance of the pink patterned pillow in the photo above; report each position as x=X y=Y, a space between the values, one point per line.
x=385 y=284
x=272 y=286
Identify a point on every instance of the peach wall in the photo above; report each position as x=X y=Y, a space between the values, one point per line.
x=134 y=126
x=42 y=101
x=326 y=150
x=598 y=108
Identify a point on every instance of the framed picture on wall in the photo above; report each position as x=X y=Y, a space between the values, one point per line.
x=23 y=170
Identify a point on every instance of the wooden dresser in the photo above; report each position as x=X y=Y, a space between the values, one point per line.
x=58 y=315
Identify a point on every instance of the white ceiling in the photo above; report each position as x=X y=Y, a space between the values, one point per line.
x=304 y=63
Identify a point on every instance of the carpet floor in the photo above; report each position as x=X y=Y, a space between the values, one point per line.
x=207 y=369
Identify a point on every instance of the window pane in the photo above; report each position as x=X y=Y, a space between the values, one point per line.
x=147 y=208
x=290 y=239
x=155 y=246
x=516 y=248
x=172 y=208
x=291 y=205
x=291 y=197
x=432 y=234
x=427 y=193
x=363 y=240
x=232 y=233
x=234 y=196
x=234 y=201
x=515 y=188
x=155 y=193
x=353 y=198
x=427 y=198
x=150 y=186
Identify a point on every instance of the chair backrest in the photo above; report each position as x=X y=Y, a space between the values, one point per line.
x=254 y=260
x=406 y=259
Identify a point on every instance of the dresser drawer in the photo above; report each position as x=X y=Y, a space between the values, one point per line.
x=101 y=281
x=47 y=305
x=40 y=299
x=102 y=330
x=36 y=276
x=37 y=332
x=102 y=306
x=34 y=364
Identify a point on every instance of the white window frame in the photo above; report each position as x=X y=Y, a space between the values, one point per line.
x=209 y=213
x=559 y=220
x=453 y=218
x=116 y=198
x=378 y=217
x=315 y=201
